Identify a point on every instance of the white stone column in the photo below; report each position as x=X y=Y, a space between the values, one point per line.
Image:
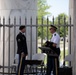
x=17 y=8
x=72 y=13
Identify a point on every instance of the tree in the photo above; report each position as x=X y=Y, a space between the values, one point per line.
x=62 y=19
x=42 y=8
x=42 y=12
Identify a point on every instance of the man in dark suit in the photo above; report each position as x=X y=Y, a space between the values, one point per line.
x=21 y=48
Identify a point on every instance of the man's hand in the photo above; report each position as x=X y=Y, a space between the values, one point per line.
x=54 y=45
x=22 y=54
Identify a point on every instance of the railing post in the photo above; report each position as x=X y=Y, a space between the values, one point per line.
x=31 y=39
x=70 y=38
x=36 y=34
x=9 y=47
x=14 y=36
x=42 y=32
x=64 y=37
x=53 y=20
x=3 y=43
x=47 y=27
x=59 y=25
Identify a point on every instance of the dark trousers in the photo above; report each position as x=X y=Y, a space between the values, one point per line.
x=52 y=65
x=22 y=66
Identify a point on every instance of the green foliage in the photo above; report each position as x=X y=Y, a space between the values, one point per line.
x=42 y=8
x=43 y=30
x=62 y=20
x=42 y=11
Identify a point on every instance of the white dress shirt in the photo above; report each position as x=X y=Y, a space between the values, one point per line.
x=56 y=39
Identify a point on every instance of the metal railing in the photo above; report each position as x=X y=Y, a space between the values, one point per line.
x=41 y=29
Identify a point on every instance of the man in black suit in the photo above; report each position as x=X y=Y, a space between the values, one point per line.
x=21 y=48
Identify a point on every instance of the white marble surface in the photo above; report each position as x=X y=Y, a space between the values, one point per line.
x=17 y=8
x=18 y=4
x=72 y=12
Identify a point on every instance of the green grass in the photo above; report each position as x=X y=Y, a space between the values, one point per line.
x=62 y=54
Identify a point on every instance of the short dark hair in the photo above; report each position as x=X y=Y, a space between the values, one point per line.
x=21 y=27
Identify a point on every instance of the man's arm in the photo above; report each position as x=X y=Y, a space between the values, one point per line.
x=25 y=47
x=19 y=44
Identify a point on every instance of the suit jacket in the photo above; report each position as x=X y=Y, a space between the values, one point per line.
x=21 y=44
